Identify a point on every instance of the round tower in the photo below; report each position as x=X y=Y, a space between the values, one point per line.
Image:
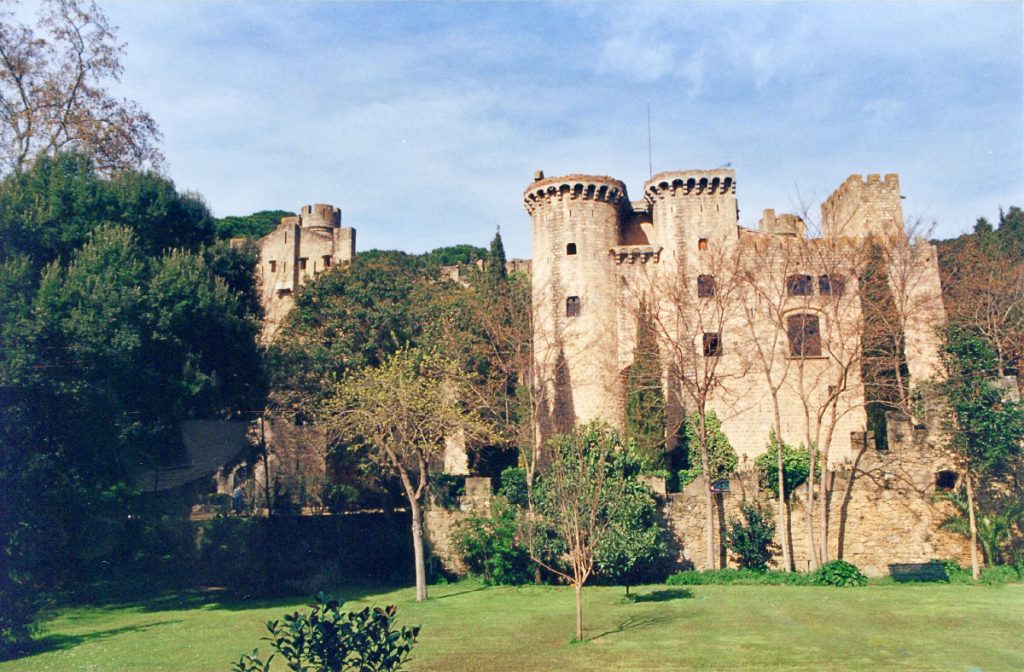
x=693 y=209
x=576 y=220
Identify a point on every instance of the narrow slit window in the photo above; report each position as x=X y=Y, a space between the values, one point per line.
x=804 y=335
x=570 y=248
x=705 y=286
x=712 y=344
x=798 y=285
x=572 y=306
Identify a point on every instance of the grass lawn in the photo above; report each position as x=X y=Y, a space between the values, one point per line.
x=467 y=626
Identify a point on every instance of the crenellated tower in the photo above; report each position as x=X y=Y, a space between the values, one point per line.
x=576 y=222
x=861 y=208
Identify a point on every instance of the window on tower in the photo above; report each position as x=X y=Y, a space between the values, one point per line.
x=572 y=306
x=705 y=286
x=804 y=335
x=570 y=248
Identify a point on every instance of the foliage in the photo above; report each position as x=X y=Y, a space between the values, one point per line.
x=721 y=456
x=53 y=83
x=446 y=489
x=513 y=486
x=496 y=260
x=645 y=401
x=330 y=640
x=989 y=428
x=796 y=464
x=997 y=528
x=489 y=545
x=839 y=573
x=256 y=225
x=455 y=255
x=751 y=539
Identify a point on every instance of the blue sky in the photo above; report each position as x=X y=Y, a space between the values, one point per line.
x=425 y=122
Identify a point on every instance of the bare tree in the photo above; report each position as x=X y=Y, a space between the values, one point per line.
x=693 y=302
x=53 y=96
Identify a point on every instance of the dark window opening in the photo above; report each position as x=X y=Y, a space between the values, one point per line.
x=712 y=344
x=705 y=286
x=945 y=480
x=327 y=261
x=831 y=285
x=721 y=485
x=273 y=266
x=798 y=285
x=572 y=306
x=570 y=248
x=302 y=264
x=281 y=293
x=804 y=336
x=702 y=244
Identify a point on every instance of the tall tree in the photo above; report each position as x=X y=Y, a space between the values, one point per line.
x=399 y=413
x=989 y=428
x=53 y=94
x=496 y=259
x=645 y=398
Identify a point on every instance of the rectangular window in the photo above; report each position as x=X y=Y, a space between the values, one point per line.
x=302 y=263
x=327 y=261
x=799 y=285
x=572 y=306
x=702 y=244
x=273 y=266
x=712 y=344
x=831 y=285
x=804 y=335
x=705 y=286
x=570 y=248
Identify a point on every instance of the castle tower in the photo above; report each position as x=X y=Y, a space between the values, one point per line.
x=860 y=208
x=576 y=222
x=691 y=206
x=300 y=247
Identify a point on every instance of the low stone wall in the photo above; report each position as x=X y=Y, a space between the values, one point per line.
x=882 y=510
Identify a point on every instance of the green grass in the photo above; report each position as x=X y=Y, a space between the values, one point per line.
x=467 y=626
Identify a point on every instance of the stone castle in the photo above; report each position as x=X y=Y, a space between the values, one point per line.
x=766 y=327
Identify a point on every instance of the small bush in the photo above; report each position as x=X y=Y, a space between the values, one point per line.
x=751 y=539
x=446 y=489
x=332 y=640
x=839 y=573
x=489 y=547
x=513 y=486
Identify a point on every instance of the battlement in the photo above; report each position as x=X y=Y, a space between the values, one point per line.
x=782 y=225
x=320 y=214
x=691 y=182
x=863 y=207
x=593 y=187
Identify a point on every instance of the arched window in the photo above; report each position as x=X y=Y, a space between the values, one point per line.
x=804 y=335
x=702 y=244
x=798 y=285
x=705 y=286
x=572 y=306
x=570 y=248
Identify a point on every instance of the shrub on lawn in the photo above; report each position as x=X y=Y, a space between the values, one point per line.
x=839 y=573
x=489 y=548
x=751 y=539
x=330 y=640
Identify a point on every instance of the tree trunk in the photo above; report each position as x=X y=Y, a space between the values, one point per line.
x=787 y=561
x=823 y=490
x=417 y=549
x=975 y=569
x=709 y=519
x=579 y=612
x=812 y=547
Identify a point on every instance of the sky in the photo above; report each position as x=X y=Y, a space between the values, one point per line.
x=424 y=122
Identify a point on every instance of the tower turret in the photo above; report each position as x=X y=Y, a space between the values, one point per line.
x=691 y=206
x=861 y=208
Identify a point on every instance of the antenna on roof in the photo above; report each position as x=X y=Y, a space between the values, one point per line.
x=650 y=162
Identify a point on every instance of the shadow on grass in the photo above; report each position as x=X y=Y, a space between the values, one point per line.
x=139 y=598
x=631 y=623
x=662 y=595
x=64 y=642
x=475 y=589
